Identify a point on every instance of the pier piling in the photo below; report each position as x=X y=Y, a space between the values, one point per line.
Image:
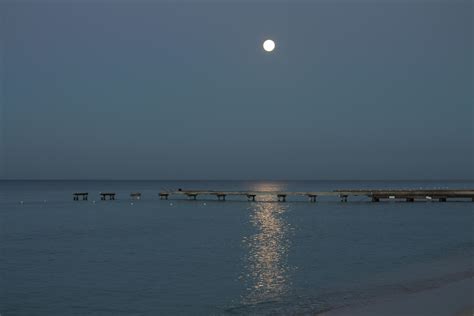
x=251 y=197
x=192 y=196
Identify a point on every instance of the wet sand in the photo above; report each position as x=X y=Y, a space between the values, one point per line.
x=452 y=299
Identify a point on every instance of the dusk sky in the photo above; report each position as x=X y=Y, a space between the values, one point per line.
x=157 y=90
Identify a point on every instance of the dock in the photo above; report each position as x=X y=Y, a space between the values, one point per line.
x=374 y=195
x=83 y=195
x=104 y=196
x=135 y=195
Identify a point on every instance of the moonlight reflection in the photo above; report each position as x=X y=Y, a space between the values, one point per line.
x=266 y=269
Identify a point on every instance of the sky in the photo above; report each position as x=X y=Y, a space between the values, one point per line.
x=184 y=90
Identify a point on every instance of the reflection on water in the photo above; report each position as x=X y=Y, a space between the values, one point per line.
x=266 y=270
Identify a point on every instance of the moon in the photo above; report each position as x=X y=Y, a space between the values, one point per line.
x=269 y=45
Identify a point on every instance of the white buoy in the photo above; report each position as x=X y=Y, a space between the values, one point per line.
x=93 y=202
x=171 y=204
x=131 y=203
x=21 y=202
x=44 y=201
x=204 y=204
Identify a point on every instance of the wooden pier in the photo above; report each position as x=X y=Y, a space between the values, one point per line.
x=104 y=196
x=135 y=195
x=83 y=195
x=408 y=195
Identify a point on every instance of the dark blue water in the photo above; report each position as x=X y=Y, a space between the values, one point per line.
x=63 y=257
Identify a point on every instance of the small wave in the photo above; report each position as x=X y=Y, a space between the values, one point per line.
x=312 y=305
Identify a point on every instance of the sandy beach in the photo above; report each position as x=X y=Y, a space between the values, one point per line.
x=452 y=299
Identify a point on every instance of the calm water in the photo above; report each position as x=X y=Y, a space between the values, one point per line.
x=62 y=257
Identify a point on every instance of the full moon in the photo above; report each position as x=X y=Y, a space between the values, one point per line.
x=269 y=45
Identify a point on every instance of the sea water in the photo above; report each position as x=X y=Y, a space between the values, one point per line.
x=152 y=256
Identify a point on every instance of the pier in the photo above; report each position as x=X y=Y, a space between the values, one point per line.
x=375 y=195
x=83 y=195
x=104 y=196
x=135 y=195
x=163 y=195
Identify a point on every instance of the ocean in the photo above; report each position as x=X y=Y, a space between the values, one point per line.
x=209 y=257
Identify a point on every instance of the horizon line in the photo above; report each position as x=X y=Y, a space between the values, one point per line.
x=242 y=180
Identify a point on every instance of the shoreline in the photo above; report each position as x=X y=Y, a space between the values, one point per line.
x=450 y=299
